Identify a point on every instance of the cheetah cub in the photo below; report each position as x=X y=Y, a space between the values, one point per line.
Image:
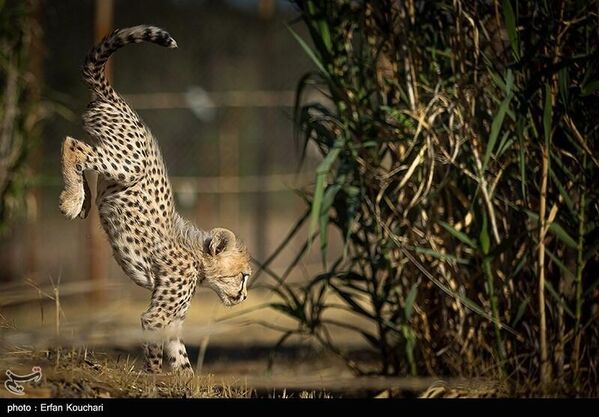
x=155 y=247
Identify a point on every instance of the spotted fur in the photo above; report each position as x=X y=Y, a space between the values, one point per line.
x=156 y=248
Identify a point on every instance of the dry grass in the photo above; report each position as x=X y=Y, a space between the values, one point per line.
x=75 y=372
x=79 y=373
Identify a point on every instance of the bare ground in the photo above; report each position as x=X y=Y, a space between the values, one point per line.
x=231 y=350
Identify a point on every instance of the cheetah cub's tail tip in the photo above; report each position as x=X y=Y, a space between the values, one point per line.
x=95 y=61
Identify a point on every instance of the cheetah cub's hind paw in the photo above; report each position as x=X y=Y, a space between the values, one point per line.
x=71 y=203
x=76 y=202
x=75 y=199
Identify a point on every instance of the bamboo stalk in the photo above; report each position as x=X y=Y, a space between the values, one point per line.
x=57 y=310
x=545 y=374
x=579 y=268
x=495 y=312
x=543 y=223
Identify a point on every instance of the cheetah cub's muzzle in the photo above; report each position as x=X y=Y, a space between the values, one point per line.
x=227 y=266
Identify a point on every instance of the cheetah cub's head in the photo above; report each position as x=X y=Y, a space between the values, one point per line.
x=227 y=266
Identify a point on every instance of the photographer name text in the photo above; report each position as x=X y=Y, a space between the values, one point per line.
x=54 y=408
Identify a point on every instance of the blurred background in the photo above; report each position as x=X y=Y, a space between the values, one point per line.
x=220 y=105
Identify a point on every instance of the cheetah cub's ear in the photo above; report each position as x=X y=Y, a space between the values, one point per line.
x=220 y=241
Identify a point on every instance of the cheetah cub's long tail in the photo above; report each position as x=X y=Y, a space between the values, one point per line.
x=93 y=69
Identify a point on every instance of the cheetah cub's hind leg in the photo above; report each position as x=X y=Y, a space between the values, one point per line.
x=75 y=199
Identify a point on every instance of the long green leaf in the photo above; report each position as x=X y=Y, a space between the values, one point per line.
x=590 y=88
x=557 y=298
x=410 y=299
x=560 y=264
x=554 y=228
x=485 y=242
x=510 y=26
x=563 y=192
x=497 y=123
x=313 y=56
x=457 y=234
x=321 y=26
x=327 y=202
x=321 y=176
x=562 y=235
x=504 y=144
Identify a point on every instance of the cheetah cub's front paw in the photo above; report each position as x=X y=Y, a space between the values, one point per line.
x=71 y=203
